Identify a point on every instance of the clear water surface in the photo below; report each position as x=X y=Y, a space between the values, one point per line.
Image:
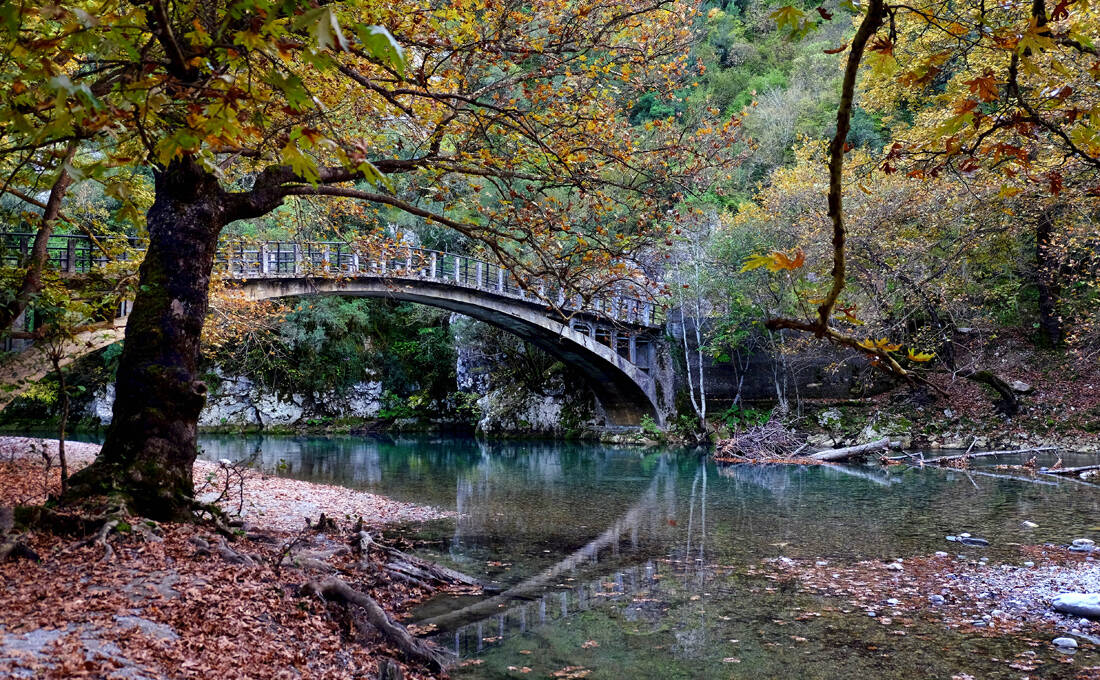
x=630 y=563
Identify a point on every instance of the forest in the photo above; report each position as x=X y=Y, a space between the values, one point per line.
x=267 y=263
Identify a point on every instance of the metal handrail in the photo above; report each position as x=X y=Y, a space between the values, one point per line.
x=76 y=254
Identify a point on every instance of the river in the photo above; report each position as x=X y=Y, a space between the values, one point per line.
x=631 y=563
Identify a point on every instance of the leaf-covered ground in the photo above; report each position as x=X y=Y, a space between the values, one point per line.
x=169 y=603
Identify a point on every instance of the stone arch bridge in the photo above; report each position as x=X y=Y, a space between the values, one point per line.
x=616 y=341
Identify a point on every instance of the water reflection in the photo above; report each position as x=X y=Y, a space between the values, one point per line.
x=643 y=549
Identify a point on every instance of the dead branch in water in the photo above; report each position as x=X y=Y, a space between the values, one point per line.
x=1070 y=470
x=984 y=454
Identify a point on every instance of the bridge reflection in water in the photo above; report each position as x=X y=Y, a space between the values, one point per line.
x=548 y=596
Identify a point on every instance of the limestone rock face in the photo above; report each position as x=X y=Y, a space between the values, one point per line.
x=238 y=402
x=556 y=411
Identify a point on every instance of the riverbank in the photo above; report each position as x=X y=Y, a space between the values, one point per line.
x=163 y=600
x=963 y=592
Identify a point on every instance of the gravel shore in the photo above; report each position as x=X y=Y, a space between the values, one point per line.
x=268 y=502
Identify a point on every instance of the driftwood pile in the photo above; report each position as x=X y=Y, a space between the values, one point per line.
x=771 y=441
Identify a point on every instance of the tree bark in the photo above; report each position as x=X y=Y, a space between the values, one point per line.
x=150 y=448
x=1006 y=404
x=1045 y=280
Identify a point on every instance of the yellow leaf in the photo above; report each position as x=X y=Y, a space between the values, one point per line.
x=756 y=262
x=920 y=356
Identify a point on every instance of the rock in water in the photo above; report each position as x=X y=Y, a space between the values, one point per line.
x=972 y=540
x=1065 y=643
x=1078 y=604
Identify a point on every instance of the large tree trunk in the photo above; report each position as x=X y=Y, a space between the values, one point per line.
x=1046 y=281
x=150 y=449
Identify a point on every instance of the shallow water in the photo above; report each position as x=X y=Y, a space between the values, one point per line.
x=642 y=552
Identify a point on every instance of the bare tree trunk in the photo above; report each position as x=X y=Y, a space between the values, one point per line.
x=699 y=344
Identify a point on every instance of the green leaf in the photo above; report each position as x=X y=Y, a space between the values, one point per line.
x=788 y=17
x=324 y=27
x=301 y=164
x=380 y=44
x=374 y=175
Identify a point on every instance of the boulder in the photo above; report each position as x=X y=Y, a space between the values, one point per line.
x=1078 y=604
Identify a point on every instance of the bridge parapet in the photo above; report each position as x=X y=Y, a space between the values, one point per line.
x=80 y=254
x=276 y=259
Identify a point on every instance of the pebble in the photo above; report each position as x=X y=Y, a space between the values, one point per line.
x=940 y=553
x=894 y=566
x=893 y=601
x=936 y=599
x=1029 y=524
x=1065 y=643
x=822 y=563
x=1029 y=564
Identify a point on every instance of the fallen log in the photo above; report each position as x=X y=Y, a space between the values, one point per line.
x=1069 y=470
x=983 y=454
x=333 y=589
x=421 y=569
x=853 y=451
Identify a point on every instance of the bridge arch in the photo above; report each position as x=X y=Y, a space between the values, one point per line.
x=625 y=390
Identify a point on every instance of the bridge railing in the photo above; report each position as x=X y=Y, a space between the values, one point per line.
x=274 y=259
x=77 y=254
x=68 y=253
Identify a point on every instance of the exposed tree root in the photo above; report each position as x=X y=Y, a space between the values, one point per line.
x=1006 y=403
x=232 y=556
x=332 y=589
x=13 y=548
x=100 y=539
x=215 y=517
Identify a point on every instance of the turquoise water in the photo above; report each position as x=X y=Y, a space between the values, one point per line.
x=630 y=563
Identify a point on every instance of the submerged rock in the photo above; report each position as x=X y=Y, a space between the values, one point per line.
x=1078 y=604
x=967 y=539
